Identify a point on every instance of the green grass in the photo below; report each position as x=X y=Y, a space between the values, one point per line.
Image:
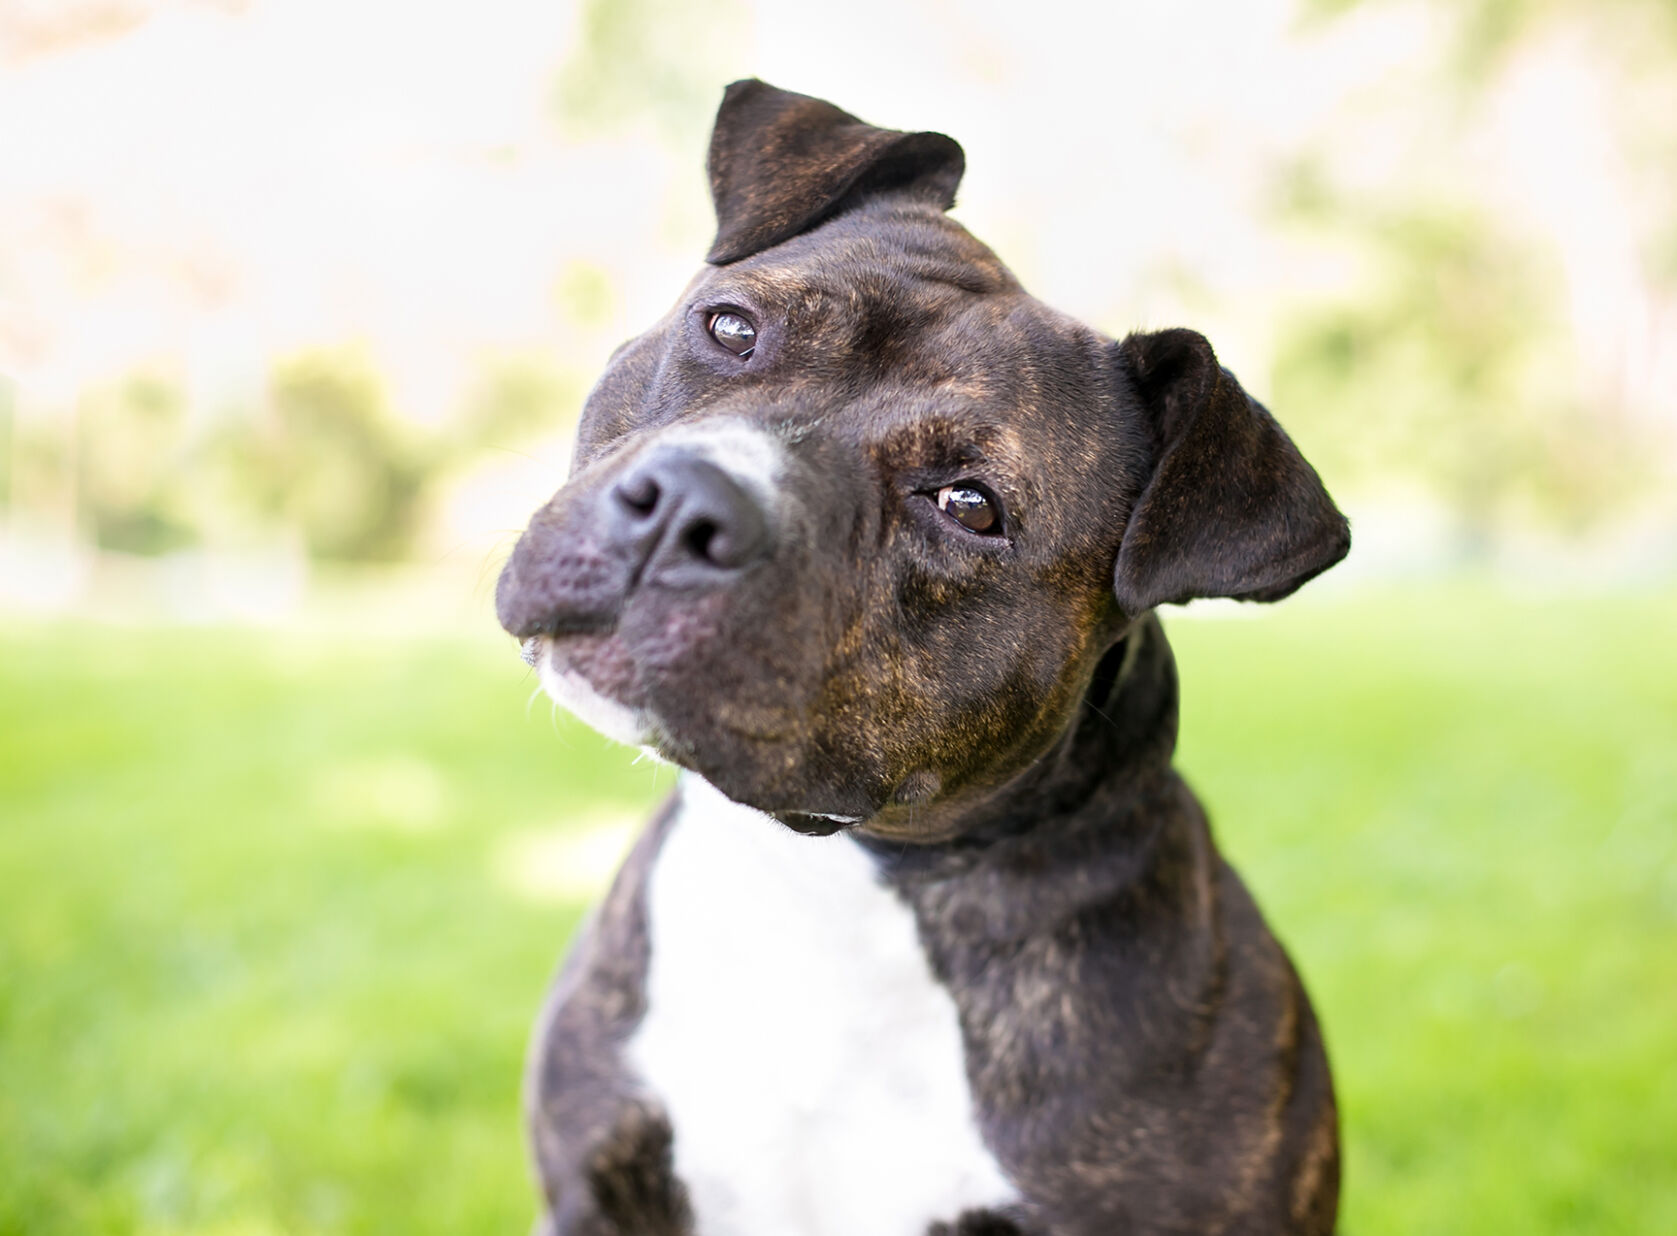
x=269 y=949
x=263 y=969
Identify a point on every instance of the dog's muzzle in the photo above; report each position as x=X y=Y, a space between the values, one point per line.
x=674 y=520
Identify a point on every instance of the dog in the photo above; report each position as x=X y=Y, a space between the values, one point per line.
x=932 y=940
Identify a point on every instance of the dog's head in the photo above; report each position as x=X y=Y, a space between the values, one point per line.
x=848 y=530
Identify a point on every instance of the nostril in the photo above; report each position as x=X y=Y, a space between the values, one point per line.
x=639 y=493
x=733 y=540
x=702 y=538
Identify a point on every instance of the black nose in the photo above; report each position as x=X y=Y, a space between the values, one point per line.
x=684 y=521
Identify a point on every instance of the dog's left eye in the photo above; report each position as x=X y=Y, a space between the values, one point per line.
x=733 y=331
x=971 y=507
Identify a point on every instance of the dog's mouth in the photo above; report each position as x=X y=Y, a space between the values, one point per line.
x=816 y=823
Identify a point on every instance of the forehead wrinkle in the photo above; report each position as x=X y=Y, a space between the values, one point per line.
x=934 y=248
x=937 y=255
x=769 y=284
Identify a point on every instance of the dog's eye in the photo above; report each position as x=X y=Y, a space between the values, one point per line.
x=971 y=507
x=733 y=331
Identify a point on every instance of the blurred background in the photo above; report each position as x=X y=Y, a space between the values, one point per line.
x=298 y=304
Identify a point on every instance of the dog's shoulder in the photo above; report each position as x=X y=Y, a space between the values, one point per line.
x=595 y=1135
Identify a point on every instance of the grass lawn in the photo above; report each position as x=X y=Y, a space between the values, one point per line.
x=276 y=909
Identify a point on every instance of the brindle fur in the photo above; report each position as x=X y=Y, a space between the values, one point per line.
x=1001 y=713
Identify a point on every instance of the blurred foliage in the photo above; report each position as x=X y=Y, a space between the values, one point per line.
x=585 y=294
x=653 y=61
x=1486 y=30
x=323 y=457
x=1451 y=363
x=515 y=399
x=8 y=440
x=131 y=455
x=1445 y=362
x=328 y=458
x=273 y=949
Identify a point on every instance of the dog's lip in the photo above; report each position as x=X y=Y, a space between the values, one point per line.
x=834 y=816
x=558 y=626
x=530 y=648
x=816 y=823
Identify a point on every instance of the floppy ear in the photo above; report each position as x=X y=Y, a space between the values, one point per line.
x=1231 y=509
x=782 y=162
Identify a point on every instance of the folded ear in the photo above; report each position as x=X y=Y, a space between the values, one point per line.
x=781 y=162
x=1231 y=509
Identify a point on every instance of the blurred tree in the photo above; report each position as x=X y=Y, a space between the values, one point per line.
x=1486 y=30
x=1454 y=362
x=8 y=447
x=328 y=458
x=517 y=398
x=585 y=295
x=1442 y=367
x=133 y=481
x=661 y=61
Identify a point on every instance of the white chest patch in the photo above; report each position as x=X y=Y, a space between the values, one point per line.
x=810 y=1063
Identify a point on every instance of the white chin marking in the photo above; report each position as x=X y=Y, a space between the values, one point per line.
x=571 y=691
x=810 y=1062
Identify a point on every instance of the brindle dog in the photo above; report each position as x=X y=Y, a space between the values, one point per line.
x=869 y=541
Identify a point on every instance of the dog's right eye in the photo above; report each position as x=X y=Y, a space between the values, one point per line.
x=733 y=331
x=971 y=506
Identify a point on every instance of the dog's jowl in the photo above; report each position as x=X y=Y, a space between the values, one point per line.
x=931 y=938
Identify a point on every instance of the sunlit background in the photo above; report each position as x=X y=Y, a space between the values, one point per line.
x=298 y=304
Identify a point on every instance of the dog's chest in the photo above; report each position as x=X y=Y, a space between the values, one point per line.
x=810 y=1063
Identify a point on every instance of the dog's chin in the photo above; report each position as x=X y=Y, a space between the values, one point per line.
x=583 y=673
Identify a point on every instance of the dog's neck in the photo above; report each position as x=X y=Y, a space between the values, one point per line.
x=1126 y=725
x=1097 y=776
